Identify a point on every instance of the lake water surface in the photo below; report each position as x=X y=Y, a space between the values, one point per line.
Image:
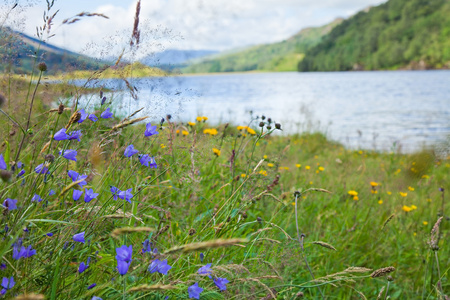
x=360 y=109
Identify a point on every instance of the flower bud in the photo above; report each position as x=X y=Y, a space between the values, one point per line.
x=42 y=67
x=278 y=126
x=61 y=108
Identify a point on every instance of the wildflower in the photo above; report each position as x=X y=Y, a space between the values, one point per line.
x=51 y=193
x=251 y=131
x=96 y=298
x=194 y=291
x=204 y=118
x=221 y=283
x=406 y=208
x=93 y=118
x=270 y=165
x=353 y=193
x=92 y=286
x=373 y=183
x=20 y=251
x=205 y=270
x=83 y=116
x=75 y=135
x=42 y=66
x=298 y=165
x=3 y=165
x=410 y=188
x=413 y=207
x=10 y=204
x=184 y=132
x=191 y=123
x=403 y=194
x=145 y=159
x=202 y=256
x=150 y=130
x=159 y=266
x=37 y=198
x=380 y=201
x=216 y=151
x=115 y=191
x=153 y=163
x=147 y=246
x=425 y=223
x=69 y=154
x=76 y=195
x=83 y=267
x=389 y=193
x=8 y=284
x=79 y=237
x=89 y=195
x=130 y=151
x=199 y=119
x=263 y=172
x=107 y=114
x=321 y=168
x=356 y=198
x=61 y=135
x=307 y=167
x=50 y=234
x=21 y=173
x=123 y=257
x=162 y=146
x=126 y=195
x=76 y=177
x=243 y=175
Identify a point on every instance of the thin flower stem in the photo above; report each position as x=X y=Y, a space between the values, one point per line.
x=439 y=285
x=387 y=290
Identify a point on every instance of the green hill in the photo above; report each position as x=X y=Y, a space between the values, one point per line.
x=282 y=56
x=412 y=34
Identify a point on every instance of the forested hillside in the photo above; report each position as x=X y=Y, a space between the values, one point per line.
x=411 y=34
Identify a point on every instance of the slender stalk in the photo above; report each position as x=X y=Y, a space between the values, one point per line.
x=439 y=285
x=387 y=290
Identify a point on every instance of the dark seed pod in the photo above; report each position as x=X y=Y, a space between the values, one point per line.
x=42 y=67
x=278 y=126
x=261 y=124
x=61 y=108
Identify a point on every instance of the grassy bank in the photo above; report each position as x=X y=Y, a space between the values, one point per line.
x=274 y=216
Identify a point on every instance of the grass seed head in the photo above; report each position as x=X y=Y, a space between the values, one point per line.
x=382 y=272
x=434 y=238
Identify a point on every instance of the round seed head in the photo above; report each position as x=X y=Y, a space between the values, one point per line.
x=42 y=67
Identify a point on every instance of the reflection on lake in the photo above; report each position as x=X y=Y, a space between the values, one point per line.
x=359 y=109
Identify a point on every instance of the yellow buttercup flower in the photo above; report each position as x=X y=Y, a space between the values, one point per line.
x=243 y=175
x=380 y=201
x=178 y=131
x=199 y=119
x=355 y=198
x=321 y=168
x=265 y=156
x=263 y=172
x=216 y=151
x=162 y=146
x=204 y=118
x=413 y=207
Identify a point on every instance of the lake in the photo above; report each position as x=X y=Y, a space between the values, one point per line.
x=371 y=110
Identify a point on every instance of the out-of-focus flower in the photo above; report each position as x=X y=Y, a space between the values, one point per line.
x=89 y=195
x=205 y=270
x=76 y=195
x=75 y=135
x=51 y=193
x=150 y=130
x=92 y=286
x=76 y=177
x=7 y=284
x=115 y=191
x=194 y=291
x=93 y=118
x=41 y=169
x=61 y=135
x=10 y=204
x=83 y=267
x=216 y=151
x=107 y=114
x=69 y=154
x=20 y=251
x=159 y=266
x=37 y=198
x=79 y=237
x=124 y=258
x=130 y=151
x=126 y=195
x=221 y=283
x=3 y=165
x=83 y=115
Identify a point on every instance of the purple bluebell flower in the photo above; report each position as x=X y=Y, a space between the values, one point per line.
x=21 y=173
x=20 y=165
x=92 y=286
x=144 y=160
x=205 y=270
x=61 y=135
x=159 y=266
x=83 y=267
x=93 y=118
x=130 y=151
x=51 y=193
x=50 y=234
x=79 y=237
x=202 y=256
x=106 y=114
x=7 y=284
x=221 y=283
x=37 y=198
x=25 y=229
x=153 y=163
x=126 y=195
x=83 y=115
x=147 y=246
x=10 y=204
x=89 y=195
x=20 y=251
x=2 y=266
x=194 y=291
x=41 y=169
x=150 y=130
x=103 y=101
x=75 y=135
x=96 y=298
x=76 y=195
x=441 y=189
x=3 y=165
x=6 y=228
x=115 y=191
x=69 y=154
x=76 y=177
x=124 y=258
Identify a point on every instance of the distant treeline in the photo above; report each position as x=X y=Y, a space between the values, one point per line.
x=412 y=34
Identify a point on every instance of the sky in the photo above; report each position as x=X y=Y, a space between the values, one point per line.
x=174 y=24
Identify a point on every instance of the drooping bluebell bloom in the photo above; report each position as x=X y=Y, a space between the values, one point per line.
x=51 y=193
x=96 y=298
x=7 y=284
x=106 y=114
x=147 y=246
x=150 y=130
x=75 y=135
x=83 y=116
x=69 y=154
x=20 y=251
x=103 y=101
x=2 y=266
x=76 y=195
x=50 y=234
x=126 y=195
x=37 y=198
x=205 y=270
x=82 y=267
x=93 y=118
x=79 y=237
x=194 y=291
x=115 y=191
x=61 y=135
x=221 y=283
x=92 y=286
x=76 y=177
x=159 y=266
x=3 y=165
x=130 y=151
x=20 y=173
x=41 y=169
x=202 y=256
x=20 y=165
x=144 y=159
x=89 y=195
x=153 y=163
x=124 y=258
x=10 y=204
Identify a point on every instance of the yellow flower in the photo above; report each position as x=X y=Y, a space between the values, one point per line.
x=199 y=119
x=216 y=151
x=321 y=168
x=265 y=156
x=270 y=165
x=429 y=200
x=406 y=208
x=374 y=192
x=298 y=165
x=425 y=223
x=373 y=183
x=425 y=176
x=413 y=207
x=241 y=127
x=355 y=198
x=410 y=188
x=204 y=118
x=178 y=131
x=317 y=171
x=380 y=202
x=162 y=146
x=262 y=172
x=184 y=132
x=316 y=157
x=307 y=167
x=284 y=168
x=191 y=123
x=403 y=194
x=389 y=193
x=251 y=131
x=353 y=193
x=310 y=182
x=243 y=175
x=210 y=131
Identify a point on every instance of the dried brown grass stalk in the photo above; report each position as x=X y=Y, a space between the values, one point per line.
x=260 y=230
x=268 y=240
x=148 y=288
x=325 y=245
x=30 y=297
x=119 y=231
x=45 y=147
x=57 y=110
x=67 y=188
x=127 y=123
x=382 y=272
x=73 y=118
x=206 y=245
x=380 y=294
